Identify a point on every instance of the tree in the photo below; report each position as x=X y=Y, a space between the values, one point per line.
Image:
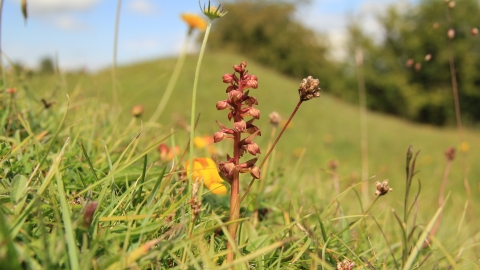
x=267 y=32
x=408 y=73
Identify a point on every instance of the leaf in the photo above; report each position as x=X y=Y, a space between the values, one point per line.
x=24 y=9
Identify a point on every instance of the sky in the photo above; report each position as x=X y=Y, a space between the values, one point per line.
x=80 y=33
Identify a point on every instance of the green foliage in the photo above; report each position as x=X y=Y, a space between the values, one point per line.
x=401 y=79
x=267 y=32
x=46 y=65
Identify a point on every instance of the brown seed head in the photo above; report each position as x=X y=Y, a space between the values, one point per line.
x=345 y=265
x=137 y=111
x=474 y=31
x=410 y=62
x=418 y=66
x=451 y=33
x=382 y=188
x=450 y=153
x=275 y=118
x=333 y=164
x=88 y=213
x=309 y=88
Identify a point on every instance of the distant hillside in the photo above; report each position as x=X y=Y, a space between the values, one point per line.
x=326 y=128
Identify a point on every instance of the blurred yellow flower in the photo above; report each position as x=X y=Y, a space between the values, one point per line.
x=202 y=142
x=206 y=169
x=464 y=147
x=194 y=21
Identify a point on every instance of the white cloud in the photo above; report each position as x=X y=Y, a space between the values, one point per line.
x=142 y=7
x=69 y=23
x=46 y=7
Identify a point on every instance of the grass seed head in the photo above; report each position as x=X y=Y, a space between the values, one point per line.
x=309 y=88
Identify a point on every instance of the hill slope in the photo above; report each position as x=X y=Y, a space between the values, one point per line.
x=326 y=128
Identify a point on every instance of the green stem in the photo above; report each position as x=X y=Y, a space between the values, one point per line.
x=192 y=118
x=172 y=82
x=194 y=94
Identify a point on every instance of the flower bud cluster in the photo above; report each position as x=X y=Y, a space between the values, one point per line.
x=240 y=105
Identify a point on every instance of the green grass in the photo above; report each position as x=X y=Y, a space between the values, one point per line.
x=307 y=226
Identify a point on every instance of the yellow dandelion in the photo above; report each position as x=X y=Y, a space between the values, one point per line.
x=194 y=21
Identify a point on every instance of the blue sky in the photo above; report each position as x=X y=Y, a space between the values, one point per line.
x=81 y=32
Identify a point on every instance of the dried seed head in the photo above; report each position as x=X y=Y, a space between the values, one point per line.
x=345 y=265
x=309 y=88
x=450 y=153
x=382 y=188
x=428 y=57
x=88 y=213
x=474 y=31
x=275 y=118
x=409 y=62
x=137 y=111
x=418 y=66
x=451 y=33
x=333 y=165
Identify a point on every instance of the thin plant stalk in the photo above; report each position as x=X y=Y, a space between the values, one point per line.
x=363 y=122
x=114 y=60
x=458 y=116
x=172 y=82
x=192 y=120
x=273 y=146
x=194 y=93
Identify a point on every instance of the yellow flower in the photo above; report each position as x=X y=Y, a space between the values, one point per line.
x=464 y=147
x=206 y=169
x=194 y=21
x=202 y=142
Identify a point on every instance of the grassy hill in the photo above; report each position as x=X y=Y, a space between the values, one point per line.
x=326 y=128
x=299 y=180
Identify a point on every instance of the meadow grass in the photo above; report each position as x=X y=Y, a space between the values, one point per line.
x=56 y=161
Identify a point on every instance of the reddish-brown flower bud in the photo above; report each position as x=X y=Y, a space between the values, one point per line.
x=250 y=101
x=418 y=66
x=222 y=105
x=253 y=149
x=251 y=84
x=255 y=172
x=240 y=68
x=230 y=88
x=218 y=136
x=227 y=78
x=235 y=95
x=255 y=113
x=239 y=126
